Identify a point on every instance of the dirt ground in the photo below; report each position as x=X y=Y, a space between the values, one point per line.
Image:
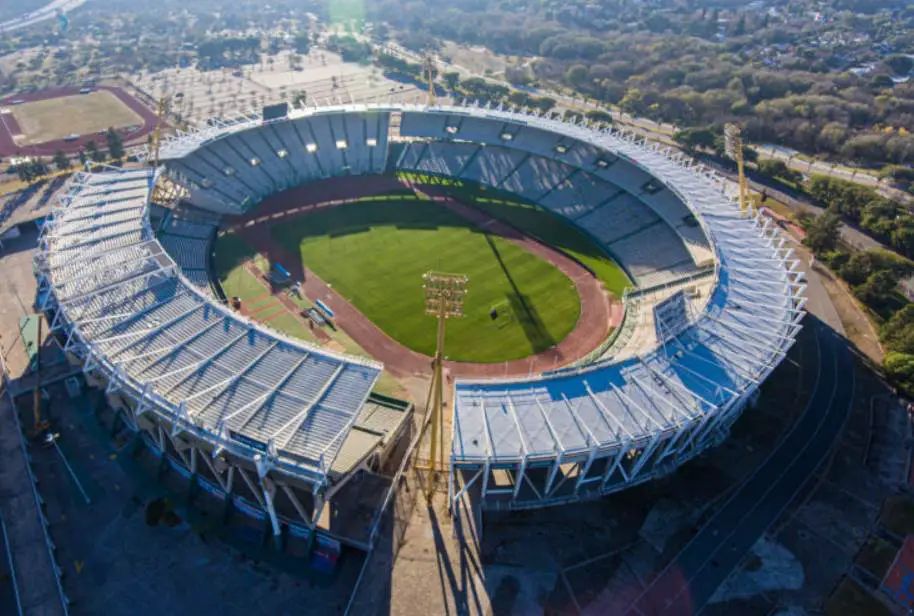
x=56 y=118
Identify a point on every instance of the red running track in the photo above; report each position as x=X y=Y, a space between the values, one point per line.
x=598 y=311
x=9 y=127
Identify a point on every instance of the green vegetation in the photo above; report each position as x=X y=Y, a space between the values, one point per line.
x=785 y=77
x=876 y=556
x=549 y=228
x=872 y=275
x=375 y=254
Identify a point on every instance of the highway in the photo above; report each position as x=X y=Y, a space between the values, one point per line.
x=690 y=580
x=48 y=11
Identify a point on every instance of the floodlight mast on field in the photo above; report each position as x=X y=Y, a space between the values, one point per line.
x=444 y=294
x=733 y=145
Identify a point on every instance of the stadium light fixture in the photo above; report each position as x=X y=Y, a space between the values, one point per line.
x=371 y=142
x=311 y=148
x=282 y=153
x=444 y=295
x=452 y=129
x=341 y=144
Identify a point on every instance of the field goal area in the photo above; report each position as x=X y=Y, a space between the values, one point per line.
x=80 y=114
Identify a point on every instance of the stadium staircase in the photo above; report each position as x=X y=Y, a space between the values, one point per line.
x=28 y=547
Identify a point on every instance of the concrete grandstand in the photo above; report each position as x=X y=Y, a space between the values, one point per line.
x=717 y=305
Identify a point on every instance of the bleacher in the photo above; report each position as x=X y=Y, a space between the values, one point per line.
x=492 y=165
x=188 y=253
x=579 y=196
x=621 y=216
x=236 y=170
x=437 y=158
x=536 y=177
x=653 y=255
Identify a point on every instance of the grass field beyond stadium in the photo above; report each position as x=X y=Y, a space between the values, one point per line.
x=374 y=253
x=80 y=114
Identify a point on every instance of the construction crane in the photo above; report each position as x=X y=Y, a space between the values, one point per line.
x=733 y=145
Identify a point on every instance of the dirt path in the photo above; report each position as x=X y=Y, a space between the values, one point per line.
x=597 y=312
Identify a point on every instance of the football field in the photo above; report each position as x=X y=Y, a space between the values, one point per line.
x=80 y=114
x=374 y=253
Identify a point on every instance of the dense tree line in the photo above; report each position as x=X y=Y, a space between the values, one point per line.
x=862 y=207
x=691 y=65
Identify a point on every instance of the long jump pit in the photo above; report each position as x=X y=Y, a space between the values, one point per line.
x=41 y=123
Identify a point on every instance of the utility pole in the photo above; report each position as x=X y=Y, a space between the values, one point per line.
x=40 y=424
x=444 y=295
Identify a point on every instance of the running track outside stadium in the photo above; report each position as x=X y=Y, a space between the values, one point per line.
x=9 y=127
x=689 y=582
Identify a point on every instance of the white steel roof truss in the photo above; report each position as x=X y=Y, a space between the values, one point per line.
x=671 y=385
x=675 y=361
x=678 y=409
x=255 y=404
x=121 y=318
x=166 y=268
x=226 y=383
x=753 y=335
x=686 y=349
x=606 y=412
x=520 y=432
x=299 y=419
x=95 y=274
x=146 y=332
x=555 y=435
x=734 y=349
x=201 y=359
x=629 y=402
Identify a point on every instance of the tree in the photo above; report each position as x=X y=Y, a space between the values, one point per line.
x=877 y=289
x=899 y=368
x=94 y=153
x=778 y=169
x=693 y=139
x=898 y=332
x=577 y=75
x=823 y=232
x=61 y=161
x=899 y=64
x=451 y=79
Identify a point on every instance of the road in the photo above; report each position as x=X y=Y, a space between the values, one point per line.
x=48 y=11
x=688 y=583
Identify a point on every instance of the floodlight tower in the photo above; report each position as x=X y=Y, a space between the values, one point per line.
x=156 y=143
x=430 y=70
x=733 y=145
x=444 y=295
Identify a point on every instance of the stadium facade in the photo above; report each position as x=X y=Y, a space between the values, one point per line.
x=726 y=304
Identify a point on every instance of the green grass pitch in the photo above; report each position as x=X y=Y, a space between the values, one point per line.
x=374 y=253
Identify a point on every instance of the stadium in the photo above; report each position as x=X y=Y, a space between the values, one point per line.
x=712 y=303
